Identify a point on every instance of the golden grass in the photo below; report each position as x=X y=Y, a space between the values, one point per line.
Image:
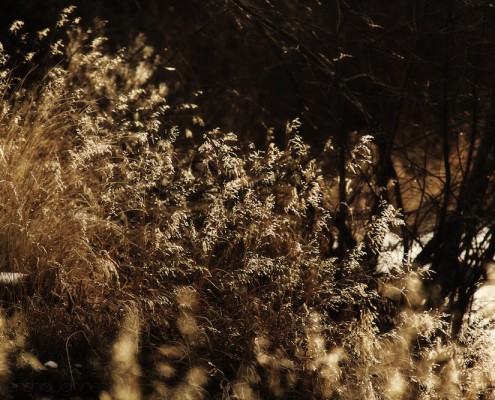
x=190 y=268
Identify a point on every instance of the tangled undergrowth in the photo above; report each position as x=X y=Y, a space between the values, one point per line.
x=176 y=263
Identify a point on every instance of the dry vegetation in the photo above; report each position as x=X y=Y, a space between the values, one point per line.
x=177 y=267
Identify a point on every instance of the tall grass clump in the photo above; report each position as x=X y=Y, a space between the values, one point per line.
x=181 y=264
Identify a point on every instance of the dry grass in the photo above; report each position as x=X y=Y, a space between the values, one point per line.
x=191 y=268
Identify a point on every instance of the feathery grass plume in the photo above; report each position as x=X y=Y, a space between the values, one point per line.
x=243 y=391
x=360 y=154
x=125 y=367
x=192 y=386
x=188 y=301
x=323 y=362
x=16 y=26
